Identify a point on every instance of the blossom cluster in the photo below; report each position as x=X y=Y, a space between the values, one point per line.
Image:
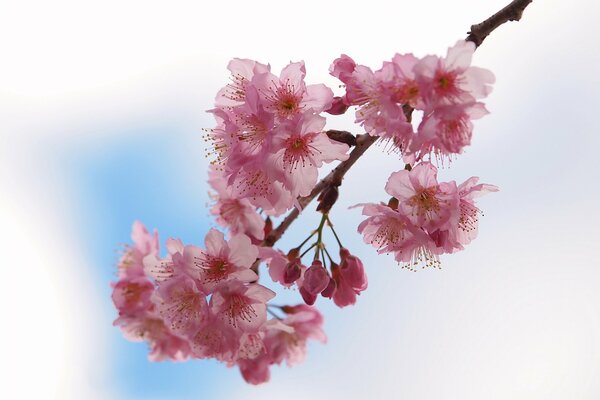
x=424 y=218
x=269 y=141
x=446 y=90
x=204 y=303
x=268 y=145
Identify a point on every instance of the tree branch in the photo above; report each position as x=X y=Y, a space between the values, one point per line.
x=511 y=12
x=477 y=35
x=363 y=142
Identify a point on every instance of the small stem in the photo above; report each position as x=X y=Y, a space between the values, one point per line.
x=320 y=235
x=307 y=250
x=328 y=255
x=306 y=240
x=334 y=232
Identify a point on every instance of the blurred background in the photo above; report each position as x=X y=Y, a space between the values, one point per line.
x=101 y=110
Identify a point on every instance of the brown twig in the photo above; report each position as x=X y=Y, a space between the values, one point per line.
x=477 y=35
x=511 y=12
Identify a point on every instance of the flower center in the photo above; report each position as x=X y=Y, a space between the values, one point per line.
x=425 y=202
x=239 y=310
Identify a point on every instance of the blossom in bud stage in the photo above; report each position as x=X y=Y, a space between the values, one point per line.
x=276 y=261
x=316 y=279
x=350 y=279
x=338 y=107
x=292 y=271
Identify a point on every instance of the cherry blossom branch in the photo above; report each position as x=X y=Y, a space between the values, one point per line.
x=511 y=12
x=334 y=178
x=477 y=35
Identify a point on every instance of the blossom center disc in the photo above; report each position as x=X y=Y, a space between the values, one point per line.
x=425 y=201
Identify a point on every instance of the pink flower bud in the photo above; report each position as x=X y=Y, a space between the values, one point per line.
x=292 y=272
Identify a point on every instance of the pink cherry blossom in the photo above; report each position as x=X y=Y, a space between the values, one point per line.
x=242 y=306
x=236 y=214
x=303 y=148
x=181 y=305
x=162 y=269
x=131 y=296
x=290 y=344
x=425 y=202
x=255 y=182
x=452 y=80
x=163 y=344
x=288 y=96
x=350 y=279
x=242 y=72
x=131 y=263
x=221 y=261
x=215 y=339
x=446 y=131
x=390 y=231
x=316 y=279
x=468 y=221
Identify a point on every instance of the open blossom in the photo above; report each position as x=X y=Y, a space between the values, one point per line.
x=447 y=130
x=284 y=340
x=256 y=182
x=301 y=149
x=221 y=261
x=452 y=79
x=242 y=72
x=181 y=305
x=468 y=221
x=390 y=231
x=242 y=306
x=131 y=296
x=131 y=262
x=288 y=96
x=164 y=345
x=421 y=198
x=427 y=218
x=236 y=214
